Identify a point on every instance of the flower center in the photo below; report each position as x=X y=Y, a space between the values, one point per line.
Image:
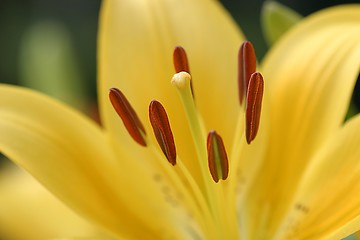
x=210 y=149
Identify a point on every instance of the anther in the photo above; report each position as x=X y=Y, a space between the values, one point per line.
x=253 y=106
x=128 y=115
x=180 y=59
x=162 y=131
x=181 y=62
x=217 y=157
x=246 y=67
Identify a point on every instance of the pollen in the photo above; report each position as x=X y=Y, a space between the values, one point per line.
x=128 y=115
x=246 y=67
x=217 y=157
x=181 y=63
x=180 y=59
x=162 y=131
x=253 y=106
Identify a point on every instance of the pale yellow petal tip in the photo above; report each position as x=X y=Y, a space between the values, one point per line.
x=274 y=7
x=181 y=80
x=276 y=20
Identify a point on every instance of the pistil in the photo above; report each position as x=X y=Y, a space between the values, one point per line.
x=182 y=83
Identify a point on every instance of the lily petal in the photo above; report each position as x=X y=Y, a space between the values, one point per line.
x=276 y=19
x=310 y=76
x=136 y=40
x=329 y=191
x=71 y=156
x=87 y=238
x=41 y=216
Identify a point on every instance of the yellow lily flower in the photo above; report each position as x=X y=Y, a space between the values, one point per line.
x=297 y=178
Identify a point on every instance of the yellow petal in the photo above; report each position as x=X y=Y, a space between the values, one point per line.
x=29 y=211
x=71 y=156
x=310 y=75
x=86 y=238
x=327 y=205
x=135 y=54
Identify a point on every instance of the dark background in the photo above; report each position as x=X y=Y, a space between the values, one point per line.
x=80 y=18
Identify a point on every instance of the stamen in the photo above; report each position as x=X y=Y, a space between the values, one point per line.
x=181 y=62
x=160 y=124
x=128 y=115
x=217 y=157
x=246 y=67
x=253 y=106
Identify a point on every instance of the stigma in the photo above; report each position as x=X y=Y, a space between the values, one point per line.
x=181 y=80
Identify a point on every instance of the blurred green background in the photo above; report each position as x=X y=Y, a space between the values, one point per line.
x=71 y=26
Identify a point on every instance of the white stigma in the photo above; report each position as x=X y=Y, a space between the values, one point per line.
x=181 y=80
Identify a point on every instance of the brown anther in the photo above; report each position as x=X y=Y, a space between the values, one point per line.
x=253 y=106
x=162 y=131
x=181 y=63
x=217 y=157
x=128 y=115
x=246 y=67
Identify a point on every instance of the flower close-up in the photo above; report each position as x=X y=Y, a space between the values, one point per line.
x=198 y=138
